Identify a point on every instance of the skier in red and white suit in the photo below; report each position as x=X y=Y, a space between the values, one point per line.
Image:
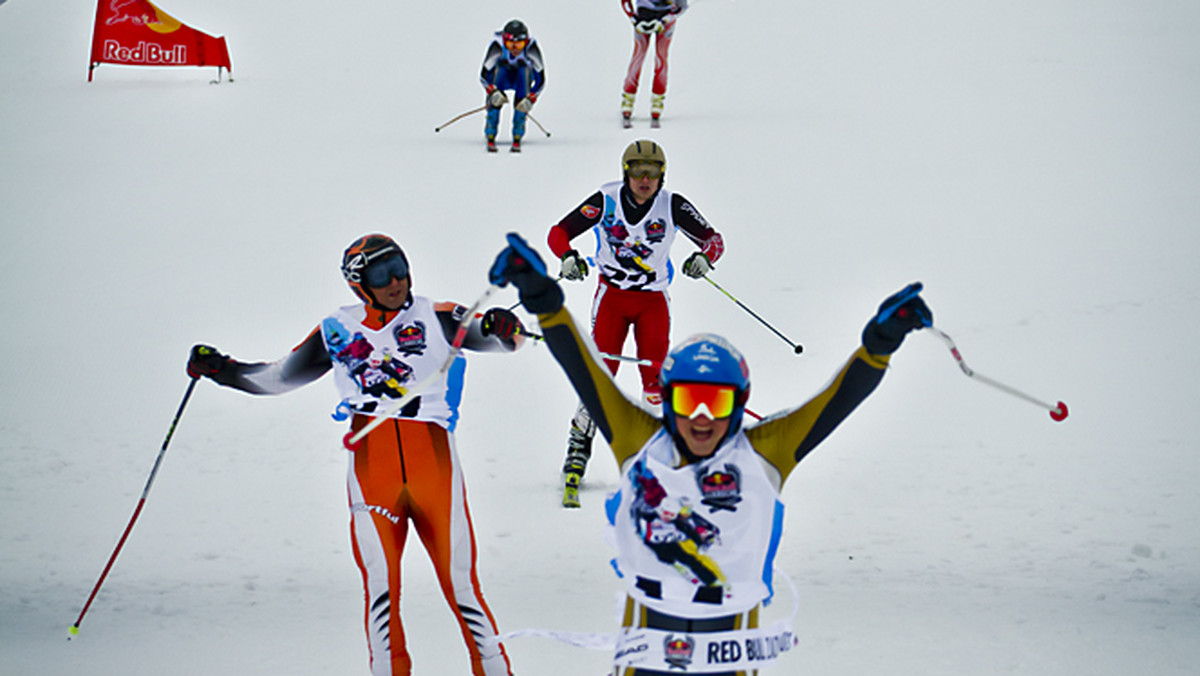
x=651 y=19
x=407 y=469
x=635 y=221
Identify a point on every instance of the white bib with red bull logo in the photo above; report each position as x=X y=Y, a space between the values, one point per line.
x=375 y=367
x=635 y=256
x=696 y=541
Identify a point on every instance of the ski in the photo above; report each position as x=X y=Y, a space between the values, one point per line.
x=571 y=490
x=627 y=123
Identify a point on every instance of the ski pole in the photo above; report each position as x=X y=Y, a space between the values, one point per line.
x=539 y=125
x=609 y=357
x=1058 y=412
x=74 y=630
x=796 y=347
x=352 y=439
x=460 y=116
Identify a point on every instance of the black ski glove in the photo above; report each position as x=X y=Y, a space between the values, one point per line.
x=574 y=267
x=501 y=323
x=520 y=264
x=901 y=313
x=205 y=360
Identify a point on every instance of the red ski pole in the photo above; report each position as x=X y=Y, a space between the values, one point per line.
x=74 y=630
x=1058 y=412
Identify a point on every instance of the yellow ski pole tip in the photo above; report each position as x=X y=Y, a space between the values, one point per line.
x=74 y=630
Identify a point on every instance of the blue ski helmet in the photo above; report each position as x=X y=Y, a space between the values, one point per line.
x=706 y=358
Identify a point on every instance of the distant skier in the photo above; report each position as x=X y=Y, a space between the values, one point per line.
x=407 y=469
x=700 y=454
x=513 y=62
x=650 y=18
x=635 y=221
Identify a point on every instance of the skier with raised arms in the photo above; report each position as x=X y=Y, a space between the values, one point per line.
x=699 y=456
x=407 y=469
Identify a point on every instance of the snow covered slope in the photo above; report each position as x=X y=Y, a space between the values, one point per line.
x=1033 y=163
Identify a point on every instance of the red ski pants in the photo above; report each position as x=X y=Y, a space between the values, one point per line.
x=615 y=310
x=641 y=45
x=408 y=471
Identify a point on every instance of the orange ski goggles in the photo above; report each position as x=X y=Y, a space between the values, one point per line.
x=693 y=399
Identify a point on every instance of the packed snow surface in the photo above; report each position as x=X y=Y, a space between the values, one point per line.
x=1034 y=163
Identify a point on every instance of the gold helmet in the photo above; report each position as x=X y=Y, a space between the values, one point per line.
x=643 y=150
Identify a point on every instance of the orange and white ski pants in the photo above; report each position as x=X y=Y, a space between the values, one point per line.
x=408 y=471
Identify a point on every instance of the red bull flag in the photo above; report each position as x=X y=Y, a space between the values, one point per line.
x=136 y=33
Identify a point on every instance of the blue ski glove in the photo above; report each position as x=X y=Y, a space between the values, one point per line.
x=520 y=264
x=901 y=313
